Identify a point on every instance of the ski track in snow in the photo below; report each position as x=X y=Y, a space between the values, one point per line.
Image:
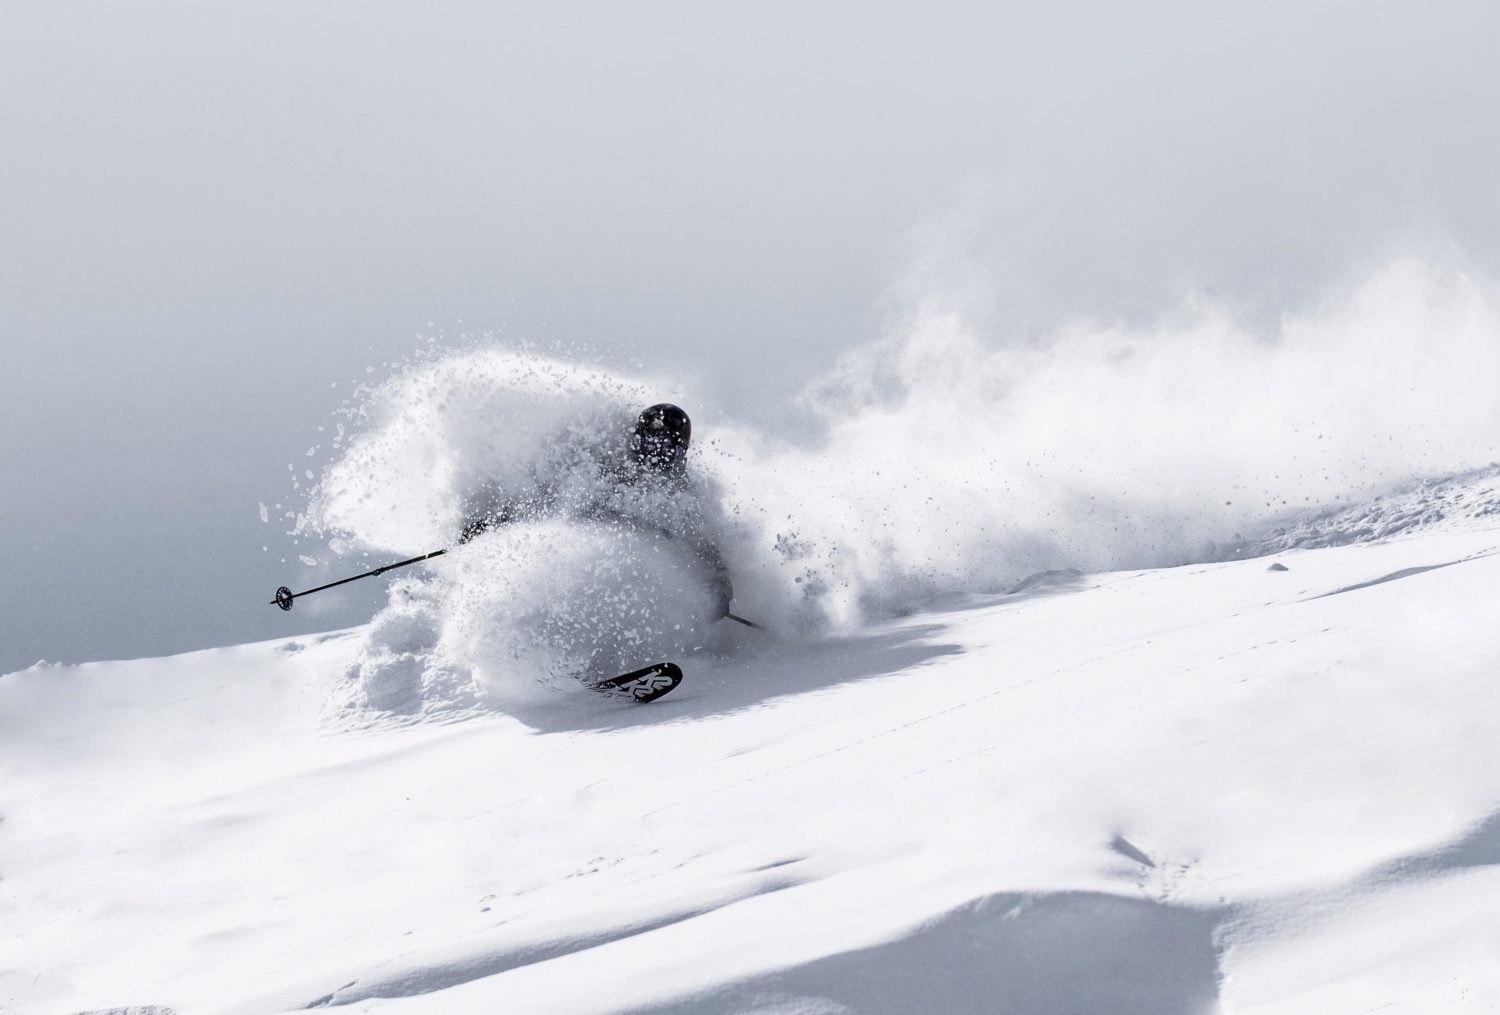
x=1211 y=787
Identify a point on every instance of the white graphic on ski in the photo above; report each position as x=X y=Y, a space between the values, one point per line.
x=643 y=685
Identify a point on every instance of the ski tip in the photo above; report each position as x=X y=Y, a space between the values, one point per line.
x=643 y=685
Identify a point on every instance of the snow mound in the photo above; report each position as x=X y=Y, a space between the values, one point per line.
x=400 y=671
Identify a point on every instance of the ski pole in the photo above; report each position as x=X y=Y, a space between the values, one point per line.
x=284 y=595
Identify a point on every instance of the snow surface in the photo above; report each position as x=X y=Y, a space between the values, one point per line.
x=1215 y=786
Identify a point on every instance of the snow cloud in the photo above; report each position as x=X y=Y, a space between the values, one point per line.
x=953 y=458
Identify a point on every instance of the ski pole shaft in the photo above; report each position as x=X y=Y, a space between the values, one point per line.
x=284 y=595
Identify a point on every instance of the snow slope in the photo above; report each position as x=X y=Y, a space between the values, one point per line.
x=1217 y=786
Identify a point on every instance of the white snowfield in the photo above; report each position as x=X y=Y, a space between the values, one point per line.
x=1207 y=788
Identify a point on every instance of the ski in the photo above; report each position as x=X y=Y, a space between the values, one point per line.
x=643 y=685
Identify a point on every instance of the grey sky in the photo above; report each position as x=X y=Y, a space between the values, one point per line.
x=209 y=213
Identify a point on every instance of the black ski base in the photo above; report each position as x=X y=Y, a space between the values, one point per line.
x=643 y=685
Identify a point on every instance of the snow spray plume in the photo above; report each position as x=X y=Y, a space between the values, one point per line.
x=953 y=460
x=947 y=460
x=559 y=590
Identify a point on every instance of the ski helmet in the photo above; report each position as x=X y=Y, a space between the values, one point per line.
x=661 y=435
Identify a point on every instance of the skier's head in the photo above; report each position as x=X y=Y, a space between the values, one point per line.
x=660 y=438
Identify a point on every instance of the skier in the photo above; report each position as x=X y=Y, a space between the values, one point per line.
x=647 y=488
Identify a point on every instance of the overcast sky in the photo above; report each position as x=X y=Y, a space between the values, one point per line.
x=211 y=213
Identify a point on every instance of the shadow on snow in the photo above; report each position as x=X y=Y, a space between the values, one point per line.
x=721 y=685
x=1053 y=954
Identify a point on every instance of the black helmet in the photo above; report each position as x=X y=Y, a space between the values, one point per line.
x=660 y=439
